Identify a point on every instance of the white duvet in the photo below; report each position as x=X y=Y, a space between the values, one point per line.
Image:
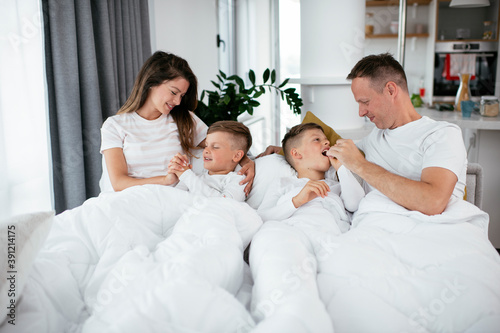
x=147 y=259
x=402 y=271
x=156 y=259
x=395 y=271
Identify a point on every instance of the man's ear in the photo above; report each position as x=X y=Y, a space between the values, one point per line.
x=238 y=156
x=392 y=88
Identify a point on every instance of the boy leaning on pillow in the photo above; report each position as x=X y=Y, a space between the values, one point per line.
x=299 y=212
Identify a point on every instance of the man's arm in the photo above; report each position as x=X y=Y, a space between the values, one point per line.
x=247 y=169
x=430 y=195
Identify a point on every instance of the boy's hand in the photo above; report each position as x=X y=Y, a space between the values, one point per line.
x=178 y=164
x=313 y=189
x=333 y=160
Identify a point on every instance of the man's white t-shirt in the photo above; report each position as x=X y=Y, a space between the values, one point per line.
x=148 y=145
x=423 y=143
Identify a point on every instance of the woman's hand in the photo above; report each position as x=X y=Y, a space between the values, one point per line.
x=178 y=164
x=170 y=179
x=248 y=169
x=270 y=150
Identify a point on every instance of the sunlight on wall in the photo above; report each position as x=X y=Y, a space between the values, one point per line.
x=25 y=182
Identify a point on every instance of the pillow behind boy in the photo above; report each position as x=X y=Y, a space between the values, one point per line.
x=273 y=166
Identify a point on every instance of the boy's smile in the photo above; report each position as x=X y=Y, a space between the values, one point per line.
x=313 y=148
x=219 y=157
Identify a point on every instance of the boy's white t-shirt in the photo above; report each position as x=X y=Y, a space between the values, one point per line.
x=148 y=145
x=423 y=143
x=227 y=186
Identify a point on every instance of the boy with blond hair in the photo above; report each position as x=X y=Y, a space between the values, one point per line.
x=226 y=144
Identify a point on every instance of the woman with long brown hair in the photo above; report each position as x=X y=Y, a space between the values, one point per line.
x=155 y=123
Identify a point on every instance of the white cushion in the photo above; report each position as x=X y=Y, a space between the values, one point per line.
x=267 y=169
x=21 y=237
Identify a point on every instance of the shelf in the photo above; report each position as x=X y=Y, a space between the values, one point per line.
x=395 y=3
x=396 y=35
x=466 y=40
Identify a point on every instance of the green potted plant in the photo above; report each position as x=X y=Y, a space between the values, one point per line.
x=232 y=98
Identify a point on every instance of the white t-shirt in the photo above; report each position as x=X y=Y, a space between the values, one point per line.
x=423 y=143
x=227 y=186
x=148 y=145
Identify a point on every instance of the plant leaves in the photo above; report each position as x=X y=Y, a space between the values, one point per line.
x=273 y=76
x=251 y=76
x=283 y=83
x=215 y=84
x=227 y=99
x=265 y=76
x=257 y=94
x=222 y=74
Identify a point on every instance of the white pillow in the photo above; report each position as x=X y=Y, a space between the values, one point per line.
x=21 y=237
x=267 y=169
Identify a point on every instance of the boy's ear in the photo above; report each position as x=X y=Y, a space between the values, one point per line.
x=294 y=152
x=238 y=156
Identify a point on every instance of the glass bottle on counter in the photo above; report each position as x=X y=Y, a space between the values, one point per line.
x=463 y=93
x=488 y=106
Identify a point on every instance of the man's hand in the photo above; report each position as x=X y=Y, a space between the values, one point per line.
x=247 y=169
x=178 y=164
x=334 y=162
x=270 y=150
x=313 y=189
x=346 y=152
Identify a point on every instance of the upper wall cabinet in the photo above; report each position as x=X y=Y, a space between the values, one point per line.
x=382 y=17
x=469 y=24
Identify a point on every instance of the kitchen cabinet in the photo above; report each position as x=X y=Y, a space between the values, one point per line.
x=381 y=14
x=466 y=24
x=420 y=26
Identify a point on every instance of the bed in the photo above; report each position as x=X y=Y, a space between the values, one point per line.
x=156 y=259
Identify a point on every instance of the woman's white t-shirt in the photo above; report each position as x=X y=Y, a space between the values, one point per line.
x=148 y=145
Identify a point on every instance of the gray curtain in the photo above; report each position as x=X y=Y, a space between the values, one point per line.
x=94 y=49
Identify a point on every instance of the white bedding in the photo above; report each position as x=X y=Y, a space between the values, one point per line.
x=155 y=259
x=402 y=271
x=147 y=259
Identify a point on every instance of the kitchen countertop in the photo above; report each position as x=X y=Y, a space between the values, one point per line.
x=476 y=121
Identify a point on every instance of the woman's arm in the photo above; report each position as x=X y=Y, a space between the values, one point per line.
x=118 y=172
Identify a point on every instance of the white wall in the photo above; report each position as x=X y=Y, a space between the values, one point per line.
x=188 y=29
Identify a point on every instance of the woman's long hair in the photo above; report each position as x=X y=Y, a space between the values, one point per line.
x=161 y=67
